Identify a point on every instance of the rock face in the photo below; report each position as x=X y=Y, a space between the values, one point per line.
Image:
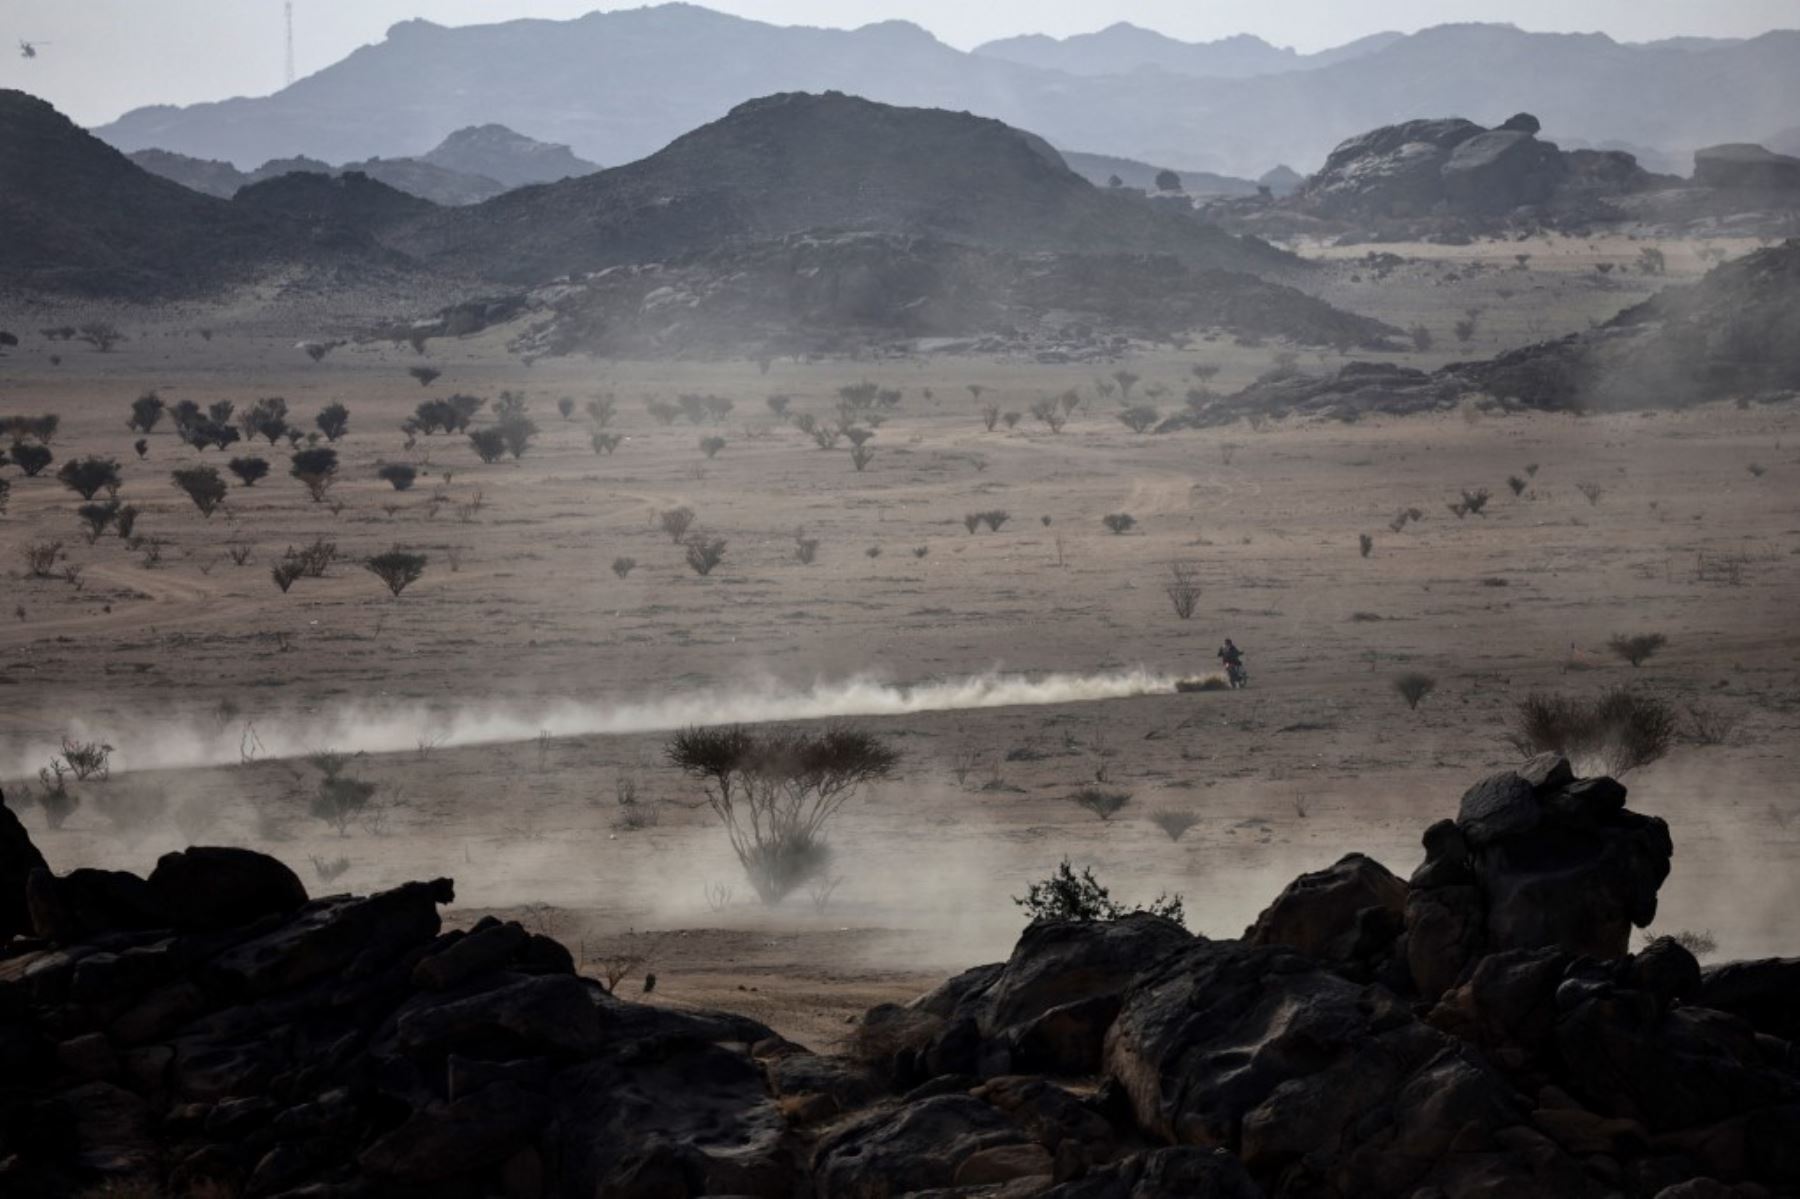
x=1747 y=167
x=1478 y=1031
x=1455 y=168
x=1534 y=858
x=18 y=859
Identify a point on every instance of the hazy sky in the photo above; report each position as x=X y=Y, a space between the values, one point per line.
x=103 y=57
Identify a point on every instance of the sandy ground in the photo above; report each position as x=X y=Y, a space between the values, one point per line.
x=195 y=667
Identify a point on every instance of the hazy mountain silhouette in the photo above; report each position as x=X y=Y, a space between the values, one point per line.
x=617 y=86
x=1123 y=48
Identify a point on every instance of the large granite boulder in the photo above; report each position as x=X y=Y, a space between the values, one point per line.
x=1535 y=858
x=1348 y=912
x=1497 y=171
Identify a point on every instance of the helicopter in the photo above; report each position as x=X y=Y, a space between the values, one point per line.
x=29 y=49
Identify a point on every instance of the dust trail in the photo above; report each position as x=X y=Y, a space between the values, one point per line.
x=376 y=729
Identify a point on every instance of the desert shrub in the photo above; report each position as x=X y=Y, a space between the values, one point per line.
x=710 y=446
x=1464 y=330
x=1174 y=824
x=397 y=568
x=1618 y=730
x=1593 y=492
x=806 y=422
x=1474 y=501
x=661 y=411
x=566 y=407
x=994 y=518
x=1705 y=725
x=1139 y=419
x=704 y=552
x=32 y=459
x=1636 y=648
x=516 y=429
x=146 y=413
x=398 y=475
x=826 y=436
x=1119 y=523
x=990 y=416
x=1421 y=338
x=606 y=443
x=602 y=409
x=219 y=412
x=971 y=521
x=623 y=566
x=1517 y=484
x=426 y=375
x=1365 y=543
x=266 y=418
x=102 y=335
x=333 y=421
x=858 y=436
x=340 y=801
x=1102 y=803
x=87 y=477
x=141 y=446
x=5 y=494
x=775 y=790
x=1126 y=381
x=97 y=518
x=1012 y=419
x=1066 y=895
x=248 y=470
x=860 y=457
x=87 y=759
x=315 y=559
x=316 y=468
x=489 y=444
x=1183 y=589
x=1413 y=687
x=676 y=522
x=1051 y=413
x=203 y=485
x=54 y=797
x=285 y=572
x=778 y=404
x=41 y=557
x=806 y=549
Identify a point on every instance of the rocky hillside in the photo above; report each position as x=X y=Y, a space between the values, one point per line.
x=1735 y=335
x=617 y=86
x=794 y=163
x=858 y=292
x=81 y=217
x=1480 y=1028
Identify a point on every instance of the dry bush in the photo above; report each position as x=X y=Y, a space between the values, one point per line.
x=675 y=522
x=1619 y=730
x=1366 y=543
x=1140 y=418
x=994 y=518
x=1051 y=413
x=1174 y=824
x=1704 y=725
x=41 y=557
x=860 y=457
x=806 y=549
x=397 y=568
x=87 y=477
x=623 y=566
x=398 y=475
x=316 y=468
x=248 y=470
x=1183 y=589
x=1414 y=686
x=990 y=416
x=1119 y=522
x=1636 y=648
x=776 y=789
x=1593 y=491
x=202 y=485
x=426 y=375
x=489 y=444
x=1066 y=895
x=704 y=552
x=1102 y=803
x=606 y=443
x=710 y=446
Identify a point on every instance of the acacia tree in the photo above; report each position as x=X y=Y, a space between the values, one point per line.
x=249 y=470
x=86 y=477
x=146 y=411
x=776 y=789
x=202 y=485
x=317 y=469
x=32 y=459
x=333 y=421
x=397 y=568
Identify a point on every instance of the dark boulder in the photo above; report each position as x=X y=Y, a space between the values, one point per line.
x=1345 y=913
x=1765 y=992
x=1165 y=1174
x=217 y=887
x=918 y=1147
x=18 y=858
x=86 y=903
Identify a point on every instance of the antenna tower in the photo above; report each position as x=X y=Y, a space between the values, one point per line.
x=288 y=12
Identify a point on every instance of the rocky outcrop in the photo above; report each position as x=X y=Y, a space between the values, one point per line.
x=1747 y=167
x=1454 y=169
x=1479 y=1030
x=18 y=859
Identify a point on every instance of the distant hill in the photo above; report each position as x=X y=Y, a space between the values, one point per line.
x=496 y=152
x=1101 y=169
x=618 y=86
x=1123 y=48
x=797 y=162
x=81 y=217
x=469 y=166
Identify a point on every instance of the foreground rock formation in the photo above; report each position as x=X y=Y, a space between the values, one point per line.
x=1478 y=1030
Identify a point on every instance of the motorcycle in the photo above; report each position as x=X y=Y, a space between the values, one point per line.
x=1236 y=675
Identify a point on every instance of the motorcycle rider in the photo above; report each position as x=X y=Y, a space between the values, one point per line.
x=1233 y=658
